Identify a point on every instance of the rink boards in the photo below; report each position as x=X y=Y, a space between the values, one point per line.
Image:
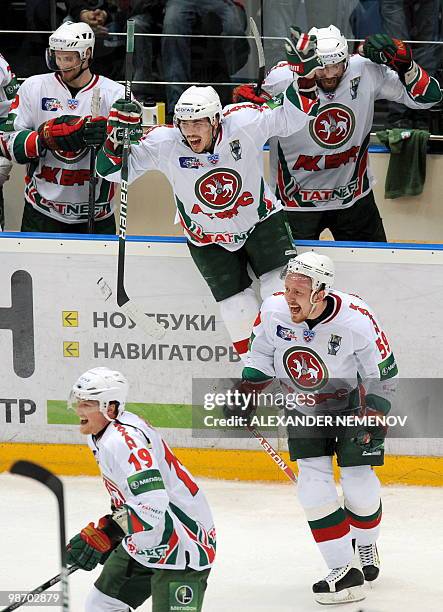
x=55 y=324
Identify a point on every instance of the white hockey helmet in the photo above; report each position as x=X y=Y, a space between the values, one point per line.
x=103 y=385
x=332 y=46
x=320 y=268
x=70 y=36
x=198 y=103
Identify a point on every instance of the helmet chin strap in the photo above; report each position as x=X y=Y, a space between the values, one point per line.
x=81 y=71
x=214 y=137
x=314 y=304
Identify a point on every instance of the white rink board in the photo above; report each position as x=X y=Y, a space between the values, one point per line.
x=403 y=286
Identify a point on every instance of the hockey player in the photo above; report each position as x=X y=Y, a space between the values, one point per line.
x=329 y=344
x=51 y=130
x=159 y=540
x=8 y=88
x=213 y=160
x=321 y=174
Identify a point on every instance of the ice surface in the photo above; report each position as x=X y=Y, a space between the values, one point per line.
x=266 y=558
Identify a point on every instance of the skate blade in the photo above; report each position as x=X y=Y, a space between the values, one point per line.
x=348 y=595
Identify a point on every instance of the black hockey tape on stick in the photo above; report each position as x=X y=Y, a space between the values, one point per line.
x=43 y=587
x=95 y=109
x=152 y=328
x=50 y=480
x=261 y=56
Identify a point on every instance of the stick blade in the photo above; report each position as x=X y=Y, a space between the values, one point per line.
x=260 y=51
x=148 y=325
x=37 y=472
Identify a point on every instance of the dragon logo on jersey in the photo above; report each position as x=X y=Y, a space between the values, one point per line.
x=305 y=368
x=219 y=188
x=333 y=126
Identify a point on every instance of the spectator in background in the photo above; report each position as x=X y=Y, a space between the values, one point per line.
x=109 y=16
x=184 y=17
x=8 y=88
x=279 y=14
x=413 y=20
x=366 y=19
x=148 y=17
x=104 y=17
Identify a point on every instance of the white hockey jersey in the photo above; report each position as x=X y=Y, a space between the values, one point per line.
x=8 y=87
x=325 y=165
x=345 y=354
x=170 y=522
x=220 y=196
x=57 y=184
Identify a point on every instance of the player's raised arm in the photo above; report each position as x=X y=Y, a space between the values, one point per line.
x=289 y=111
x=404 y=80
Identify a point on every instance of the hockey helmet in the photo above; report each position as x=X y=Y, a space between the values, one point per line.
x=332 y=46
x=320 y=268
x=70 y=36
x=103 y=385
x=198 y=103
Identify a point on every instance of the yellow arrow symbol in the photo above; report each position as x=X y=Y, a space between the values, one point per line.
x=70 y=318
x=71 y=349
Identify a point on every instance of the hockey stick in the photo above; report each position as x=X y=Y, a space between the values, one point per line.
x=43 y=587
x=50 y=480
x=135 y=313
x=276 y=458
x=95 y=109
x=261 y=56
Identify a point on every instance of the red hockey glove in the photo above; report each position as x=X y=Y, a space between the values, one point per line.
x=382 y=49
x=246 y=93
x=63 y=133
x=94 y=544
x=123 y=115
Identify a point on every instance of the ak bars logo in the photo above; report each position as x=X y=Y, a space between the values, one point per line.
x=19 y=319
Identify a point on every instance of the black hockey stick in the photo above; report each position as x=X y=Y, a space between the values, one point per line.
x=43 y=587
x=50 y=480
x=95 y=109
x=129 y=308
x=261 y=56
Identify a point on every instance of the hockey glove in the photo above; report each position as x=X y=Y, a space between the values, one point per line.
x=94 y=134
x=246 y=93
x=372 y=438
x=93 y=545
x=123 y=115
x=382 y=49
x=301 y=53
x=63 y=133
